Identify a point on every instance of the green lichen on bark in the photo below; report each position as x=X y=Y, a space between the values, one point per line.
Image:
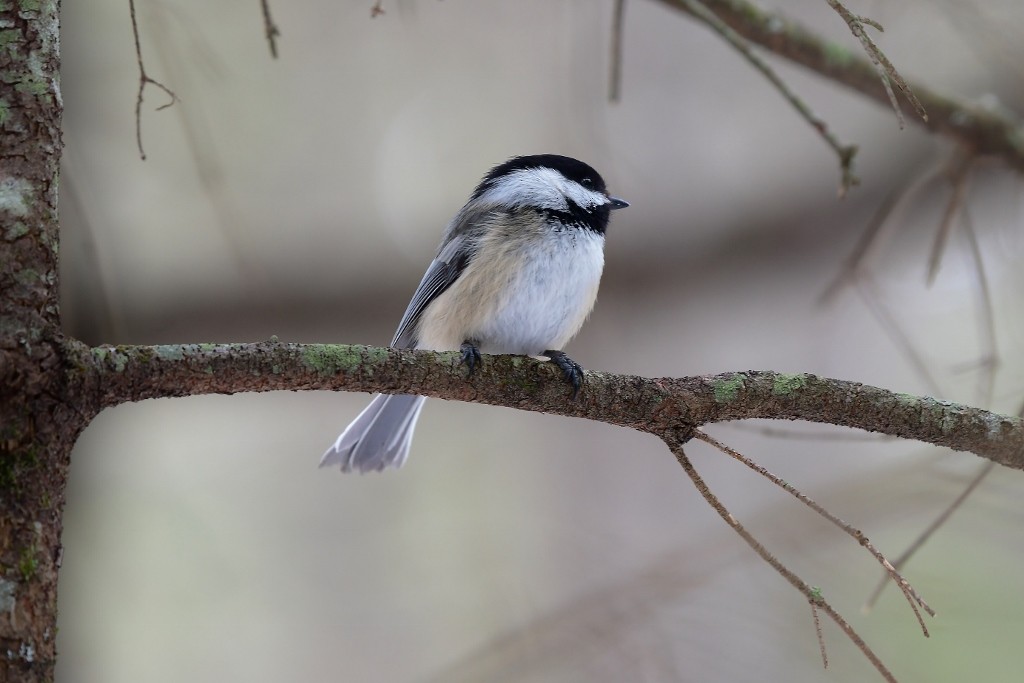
x=332 y=359
x=727 y=389
x=783 y=384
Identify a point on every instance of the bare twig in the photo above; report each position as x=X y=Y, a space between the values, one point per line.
x=615 y=65
x=913 y=599
x=845 y=153
x=377 y=9
x=883 y=66
x=812 y=594
x=270 y=28
x=900 y=561
x=959 y=172
x=143 y=80
x=817 y=626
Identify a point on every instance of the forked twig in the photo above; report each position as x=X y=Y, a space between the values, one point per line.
x=927 y=533
x=883 y=66
x=143 y=80
x=845 y=153
x=812 y=594
x=913 y=599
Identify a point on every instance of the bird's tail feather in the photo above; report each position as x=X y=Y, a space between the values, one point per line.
x=379 y=437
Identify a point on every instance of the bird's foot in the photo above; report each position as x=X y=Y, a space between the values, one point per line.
x=572 y=370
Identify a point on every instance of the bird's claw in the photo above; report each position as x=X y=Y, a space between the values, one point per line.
x=572 y=370
x=470 y=355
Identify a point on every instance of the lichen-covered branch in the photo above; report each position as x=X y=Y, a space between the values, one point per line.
x=112 y=375
x=986 y=130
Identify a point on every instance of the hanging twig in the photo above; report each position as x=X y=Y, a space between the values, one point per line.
x=143 y=80
x=959 y=172
x=817 y=626
x=270 y=28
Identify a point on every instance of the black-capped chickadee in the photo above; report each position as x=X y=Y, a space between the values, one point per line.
x=516 y=273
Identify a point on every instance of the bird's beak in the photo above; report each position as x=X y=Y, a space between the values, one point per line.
x=617 y=203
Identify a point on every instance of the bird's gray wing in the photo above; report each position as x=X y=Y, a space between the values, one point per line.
x=443 y=271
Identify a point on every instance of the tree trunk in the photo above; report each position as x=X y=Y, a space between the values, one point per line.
x=38 y=419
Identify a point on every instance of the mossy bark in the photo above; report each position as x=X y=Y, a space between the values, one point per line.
x=38 y=422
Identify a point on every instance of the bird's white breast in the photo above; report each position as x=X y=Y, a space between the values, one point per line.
x=527 y=290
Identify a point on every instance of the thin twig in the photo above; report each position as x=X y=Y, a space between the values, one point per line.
x=808 y=435
x=913 y=599
x=817 y=627
x=812 y=594
x=615 y=65
x=883 y=66
x=986 y=315
x=377 y=9
x=270 y=28
x=927 y=533
x=959 y=172
x=845 y=153
x=143 y=80
x=865 y=287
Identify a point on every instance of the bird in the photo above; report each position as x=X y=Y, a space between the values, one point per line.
x=517 y=272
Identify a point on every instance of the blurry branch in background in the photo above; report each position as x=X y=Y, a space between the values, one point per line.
x=985 y=128
x=886 y=71
x=143 y=80
x=615 y=65
x=844 y=152
x=184 y=64
x=269 y=28
x=958 y=173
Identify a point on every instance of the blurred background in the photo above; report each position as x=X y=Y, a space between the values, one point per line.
x=303 y=197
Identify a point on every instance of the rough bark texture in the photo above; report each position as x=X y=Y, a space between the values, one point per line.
x=668 y=407
x=37 y=425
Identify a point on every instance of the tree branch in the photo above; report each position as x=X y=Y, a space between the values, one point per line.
x=986 y=130
x=664 y=407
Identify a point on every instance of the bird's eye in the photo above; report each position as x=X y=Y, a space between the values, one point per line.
x=587 y=182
